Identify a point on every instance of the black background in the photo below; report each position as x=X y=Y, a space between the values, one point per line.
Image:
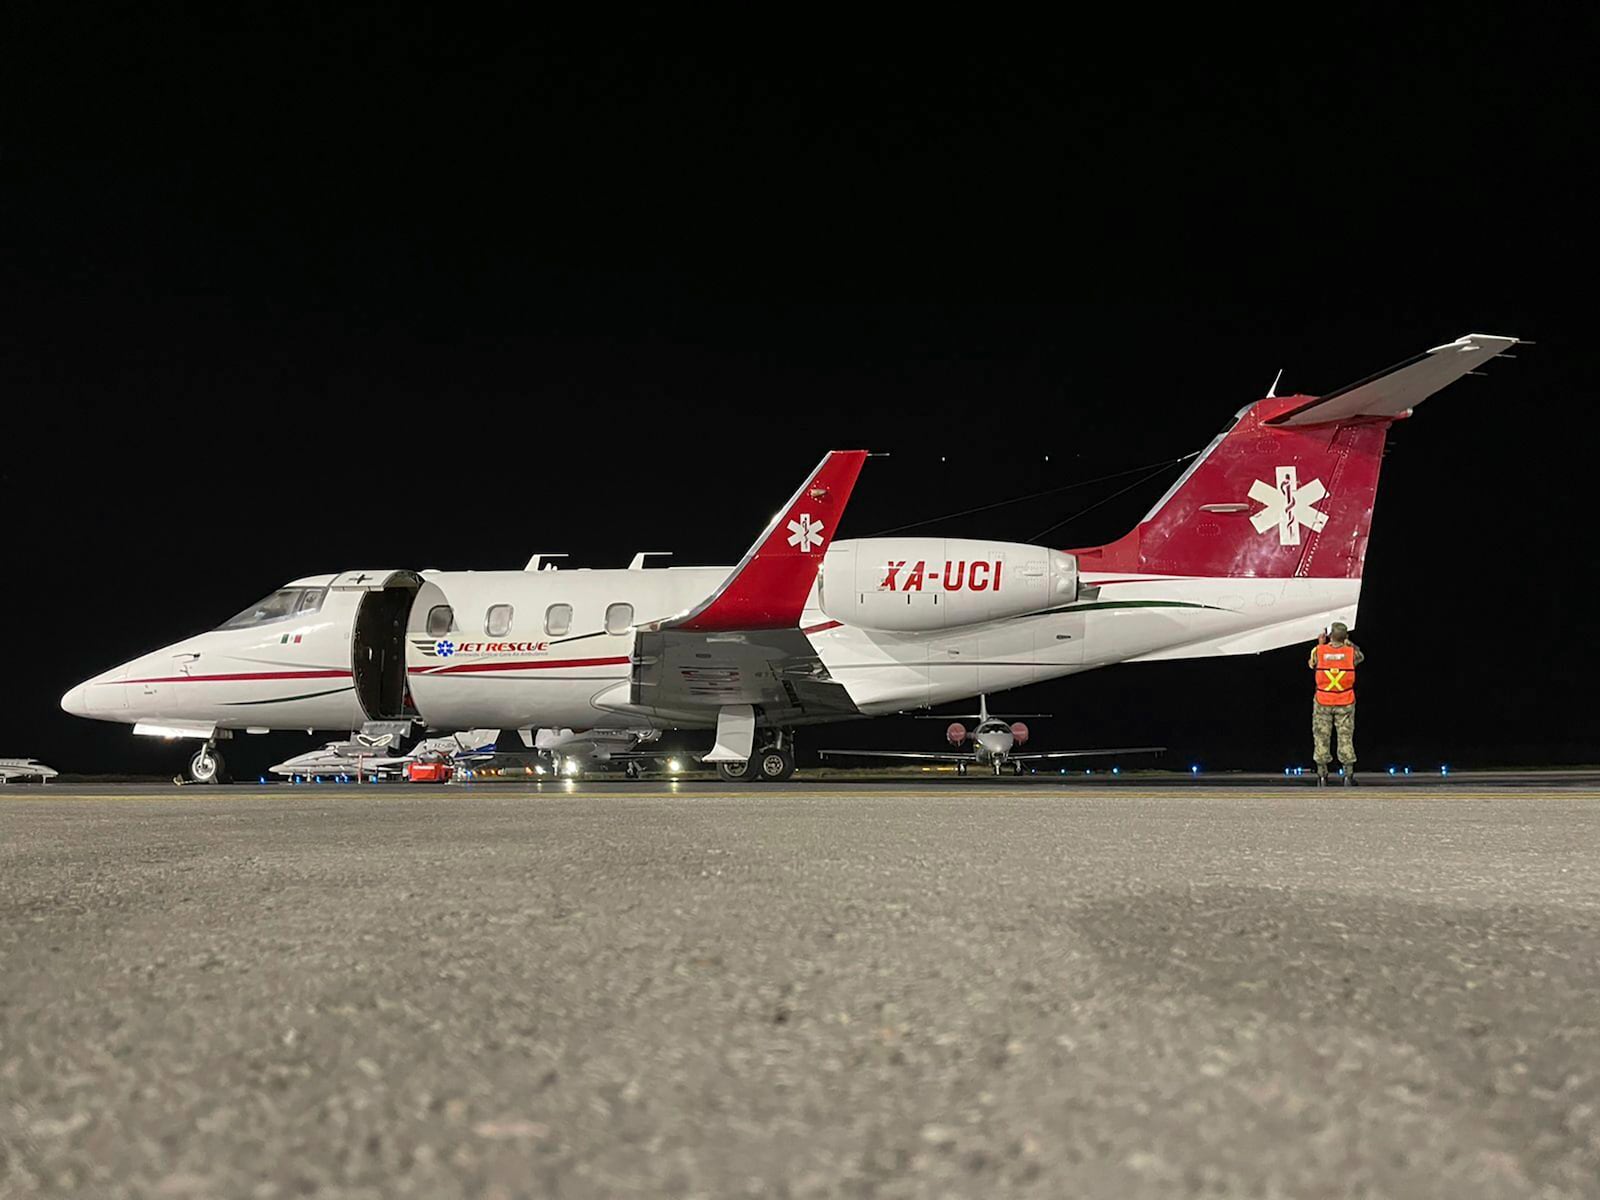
x=306 y=293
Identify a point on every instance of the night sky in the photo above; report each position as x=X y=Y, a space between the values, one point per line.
x=302 y=294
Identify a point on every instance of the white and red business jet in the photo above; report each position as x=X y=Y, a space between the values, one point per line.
x=1259 y=544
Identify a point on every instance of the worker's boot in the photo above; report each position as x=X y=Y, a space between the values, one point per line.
x=1349 y=774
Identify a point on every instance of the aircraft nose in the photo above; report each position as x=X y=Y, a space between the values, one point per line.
x=76 y=701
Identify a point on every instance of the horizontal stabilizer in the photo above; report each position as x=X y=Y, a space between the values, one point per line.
x=1402 y=387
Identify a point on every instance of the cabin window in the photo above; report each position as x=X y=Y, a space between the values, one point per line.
x=280 y=604
x=440 y=618
x=558 y=620
x=312 y=600
x=497 y=623
x=618 y=618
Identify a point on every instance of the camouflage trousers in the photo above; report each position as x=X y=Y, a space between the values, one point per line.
x=1325 y=718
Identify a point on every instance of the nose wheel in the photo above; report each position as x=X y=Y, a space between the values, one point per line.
x=207 y=766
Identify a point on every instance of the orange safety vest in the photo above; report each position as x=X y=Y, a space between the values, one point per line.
x=1336 y=674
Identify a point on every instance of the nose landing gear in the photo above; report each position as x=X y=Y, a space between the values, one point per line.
x=207 y=766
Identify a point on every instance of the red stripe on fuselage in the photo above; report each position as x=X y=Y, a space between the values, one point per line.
x=540 y=665
x=239 y=677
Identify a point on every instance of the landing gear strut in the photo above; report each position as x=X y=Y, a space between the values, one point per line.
x=207 y=766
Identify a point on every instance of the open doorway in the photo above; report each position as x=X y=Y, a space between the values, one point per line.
x=378 y=650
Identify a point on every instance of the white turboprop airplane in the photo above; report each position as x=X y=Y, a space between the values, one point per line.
x=993 y=741
x=20 y=770
x=1258 y=544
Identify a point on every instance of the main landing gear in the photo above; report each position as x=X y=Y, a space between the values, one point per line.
x=772 y=763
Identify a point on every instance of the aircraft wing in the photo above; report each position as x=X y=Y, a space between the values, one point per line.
x=922 y=755
x=1087 y=753
x=742 y=645
x=1402 y=387
x=681 y=672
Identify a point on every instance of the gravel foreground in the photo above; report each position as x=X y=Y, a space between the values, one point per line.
x=791 y=994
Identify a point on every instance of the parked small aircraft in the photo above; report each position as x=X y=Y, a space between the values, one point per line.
x=992 y=741
x=366 y=757
x=20 y=770
x=574 y=751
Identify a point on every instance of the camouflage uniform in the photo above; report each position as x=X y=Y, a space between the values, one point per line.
x=1326 y=719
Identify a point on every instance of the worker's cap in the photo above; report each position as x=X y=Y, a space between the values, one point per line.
x=1339 y=629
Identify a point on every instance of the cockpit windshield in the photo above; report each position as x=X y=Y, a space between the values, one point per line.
x=285 y=602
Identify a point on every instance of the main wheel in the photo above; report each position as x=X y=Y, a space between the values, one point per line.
x=775 y=764
x=207 y=766
x=737 y=772
x=961 y=769
x=631 y=770
x=1016 y=768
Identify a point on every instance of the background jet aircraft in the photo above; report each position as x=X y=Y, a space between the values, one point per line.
x=991 y=743
x=18 y=770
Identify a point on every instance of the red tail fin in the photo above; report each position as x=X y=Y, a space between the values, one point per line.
x=1287 y=491
x=1262 y=500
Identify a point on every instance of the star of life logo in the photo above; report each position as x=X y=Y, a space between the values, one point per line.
x=805 y=533
x=444 y=649
x=1289 y=505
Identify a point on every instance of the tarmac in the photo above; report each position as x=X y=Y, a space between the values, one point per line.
x=1029 y=987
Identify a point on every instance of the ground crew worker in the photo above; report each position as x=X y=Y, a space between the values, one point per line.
x=1334 y=659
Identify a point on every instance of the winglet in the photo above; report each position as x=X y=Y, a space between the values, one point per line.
x=769 y=587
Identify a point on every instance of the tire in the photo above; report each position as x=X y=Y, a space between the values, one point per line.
x=207 y=766
x=1016 y=768
x=774 y=764
x=630 y=770
x=736 y=772
x=961 y=770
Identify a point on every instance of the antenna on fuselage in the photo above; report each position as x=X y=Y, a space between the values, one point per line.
x=638 y=559
x=537 y=559
x=1272 y=392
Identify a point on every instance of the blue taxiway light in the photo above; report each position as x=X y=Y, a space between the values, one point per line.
x=1194 y=770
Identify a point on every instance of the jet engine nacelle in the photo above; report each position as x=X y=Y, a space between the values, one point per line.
x=956 y=735
x=1019 y=734
x=927 y=584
